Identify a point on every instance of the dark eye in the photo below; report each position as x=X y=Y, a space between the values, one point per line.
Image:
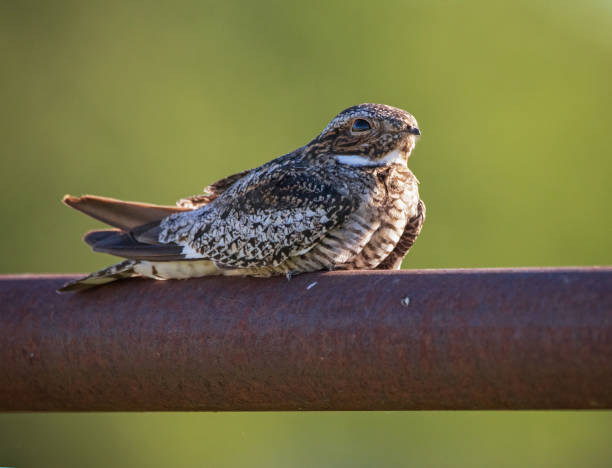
x=361 y=125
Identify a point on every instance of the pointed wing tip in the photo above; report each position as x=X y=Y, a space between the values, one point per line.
x=70 y=200
x=93 y=237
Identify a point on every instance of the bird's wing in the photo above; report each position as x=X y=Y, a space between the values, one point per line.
x=211 y=192
x=118 y=213
x=128 y=245
x=263 y=219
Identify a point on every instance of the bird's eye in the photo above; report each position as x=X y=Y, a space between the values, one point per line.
x=361 y=125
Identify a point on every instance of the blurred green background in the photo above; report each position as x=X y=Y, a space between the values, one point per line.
x=151 y=102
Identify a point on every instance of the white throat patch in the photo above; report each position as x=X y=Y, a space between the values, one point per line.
x=391 y=157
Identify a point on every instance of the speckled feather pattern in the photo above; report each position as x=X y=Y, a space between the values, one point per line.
x=266 y=217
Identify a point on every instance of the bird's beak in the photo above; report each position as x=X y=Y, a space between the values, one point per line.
x=414 y=131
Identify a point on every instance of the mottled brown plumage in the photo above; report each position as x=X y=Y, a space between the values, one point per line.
x=346 y=200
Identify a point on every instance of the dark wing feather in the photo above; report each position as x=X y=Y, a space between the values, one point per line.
x=93 y=237
x=125 y=245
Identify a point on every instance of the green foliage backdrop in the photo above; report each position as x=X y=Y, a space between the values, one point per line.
x=151 y=102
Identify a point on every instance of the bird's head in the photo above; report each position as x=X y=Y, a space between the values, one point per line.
x=370 y=135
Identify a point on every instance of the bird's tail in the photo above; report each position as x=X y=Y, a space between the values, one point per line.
x=121 y=270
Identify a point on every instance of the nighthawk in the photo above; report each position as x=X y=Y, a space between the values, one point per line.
x=346 y=200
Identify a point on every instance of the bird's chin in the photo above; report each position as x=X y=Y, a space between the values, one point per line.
x=397 y=156
x=407 y=146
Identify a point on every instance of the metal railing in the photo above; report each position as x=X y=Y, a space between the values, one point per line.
x=376 y=340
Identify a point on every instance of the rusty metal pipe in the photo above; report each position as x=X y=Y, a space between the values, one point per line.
x=383 y=340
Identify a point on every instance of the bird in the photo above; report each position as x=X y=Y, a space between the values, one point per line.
x=346 y=200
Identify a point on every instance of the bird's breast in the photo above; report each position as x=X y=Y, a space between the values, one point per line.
x=393 y=202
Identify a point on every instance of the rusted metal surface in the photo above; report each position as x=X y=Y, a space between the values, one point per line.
x=463 y=339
